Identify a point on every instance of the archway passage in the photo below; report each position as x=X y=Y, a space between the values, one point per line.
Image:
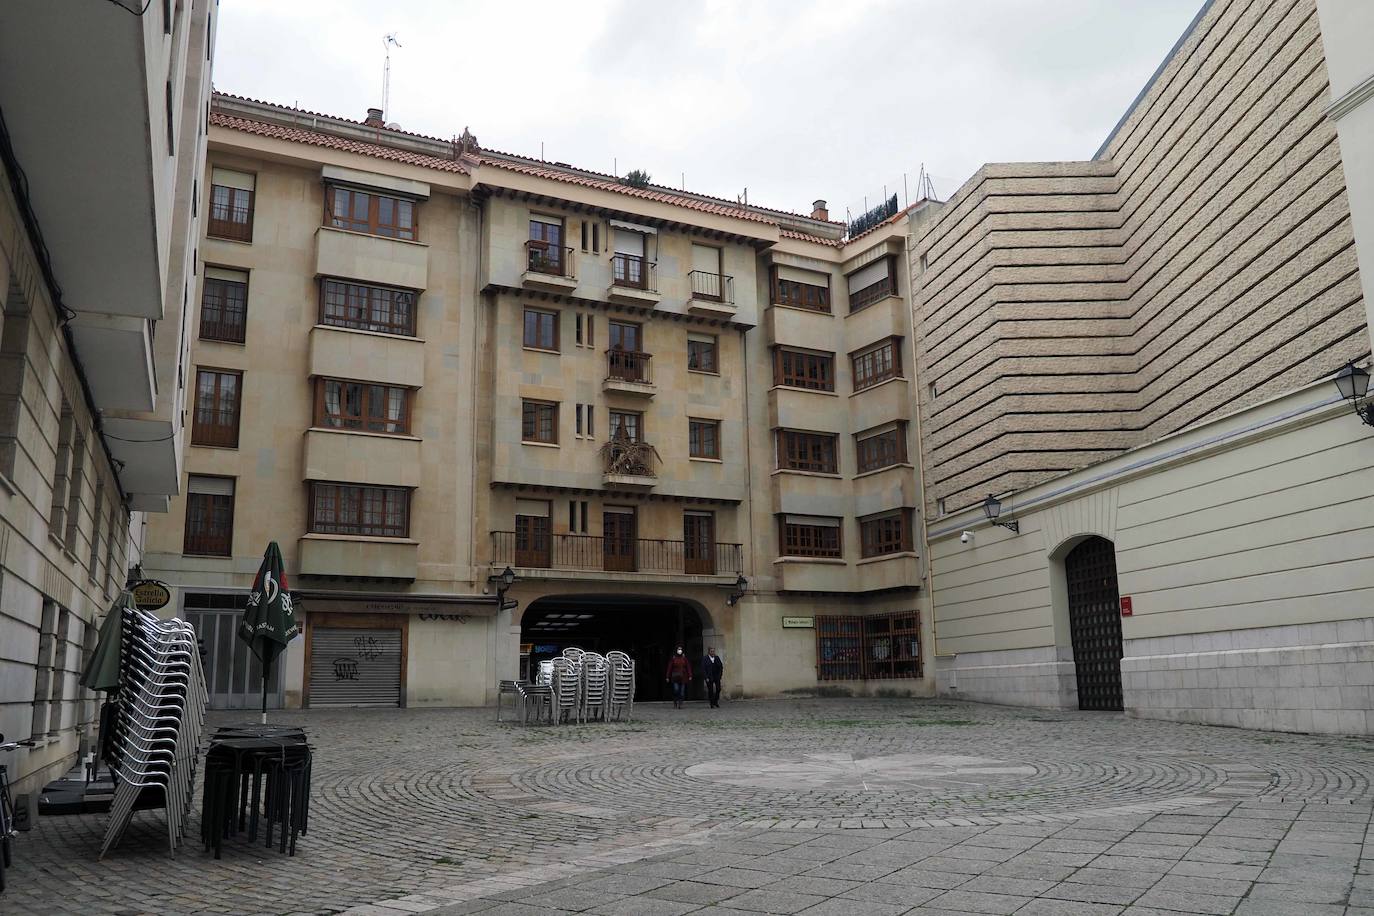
x=649 y=630
x=1095 y=623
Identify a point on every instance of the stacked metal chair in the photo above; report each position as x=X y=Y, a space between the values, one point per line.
x=156 y=731
x=621 y=702
x=594 y=688
x=565 y=681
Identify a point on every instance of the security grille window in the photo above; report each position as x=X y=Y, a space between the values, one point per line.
x=871 y=283
x=218 y=396
x=539 y=421
x=541 y=330
x=367 y=308
x=801 y=289
x=877 y=364
x=358 y=405
x=231 y=205
x=224 y=305
x=372 y=213
x=881 y=449
x=868 y=648
x=887 y=533
x=802 y=369
x=798 y=451
x=810 y=536
x=338 y=508
x=209 y=516
x=702 y=355
x=703 y=438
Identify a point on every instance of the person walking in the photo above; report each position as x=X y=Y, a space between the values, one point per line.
x=712 y=668
x=679 y=674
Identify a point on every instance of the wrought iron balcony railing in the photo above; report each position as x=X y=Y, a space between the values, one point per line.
x=548 y=258
x=628 y=366
x=712 y=287
x=594 y=553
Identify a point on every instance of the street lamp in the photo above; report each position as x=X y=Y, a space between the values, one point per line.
x=503 y=581
x=992 y=508
x=741 y=585
x=1353 y=384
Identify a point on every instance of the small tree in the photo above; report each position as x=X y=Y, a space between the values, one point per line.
x=636 y=178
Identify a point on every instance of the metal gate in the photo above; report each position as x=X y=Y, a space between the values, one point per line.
x=1095 y=623
x=355 y=667
x=233 y=673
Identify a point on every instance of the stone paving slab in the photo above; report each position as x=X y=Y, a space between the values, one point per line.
x=786 y=806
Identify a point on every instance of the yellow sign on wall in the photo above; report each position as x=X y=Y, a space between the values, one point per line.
x=798 y=623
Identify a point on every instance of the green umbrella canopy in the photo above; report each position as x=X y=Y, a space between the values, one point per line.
x=269 y=621
x=102 y=669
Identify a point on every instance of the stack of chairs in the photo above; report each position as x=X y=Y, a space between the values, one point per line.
x=565 y=681
x=256 y=775
x=155 y=731
x=594 y=688
x=621 y=701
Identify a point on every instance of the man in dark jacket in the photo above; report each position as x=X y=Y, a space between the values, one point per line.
x=679 y=674
x=712 y=669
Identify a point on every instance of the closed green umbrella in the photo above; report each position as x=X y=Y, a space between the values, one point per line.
x=102 y=668
x=269 y=622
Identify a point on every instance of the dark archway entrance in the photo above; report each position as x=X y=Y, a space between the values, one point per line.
x=649 y=630
x=1095 y=623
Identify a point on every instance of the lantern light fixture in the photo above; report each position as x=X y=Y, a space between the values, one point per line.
x=992 y=508
x=1353 y=384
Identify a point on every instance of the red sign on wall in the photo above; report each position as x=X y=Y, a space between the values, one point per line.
x=1125 y=605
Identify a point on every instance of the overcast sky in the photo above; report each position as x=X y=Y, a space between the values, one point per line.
x=792 y=99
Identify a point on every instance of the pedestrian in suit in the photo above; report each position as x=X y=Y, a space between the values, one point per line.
x=679 y=674
x=712 y=668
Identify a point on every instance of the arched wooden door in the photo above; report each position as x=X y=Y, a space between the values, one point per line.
x=1095 y=623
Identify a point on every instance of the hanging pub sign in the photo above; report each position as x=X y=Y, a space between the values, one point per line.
x=150 y=594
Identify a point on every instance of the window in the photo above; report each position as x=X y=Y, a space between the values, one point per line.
x=699 y=543
x=881 y=449
x=871 y=283
x=539 y=421
x=702 y=355
x=209 y=516
x=591 y=236
x=577 y=516
x=370 y=212
x=532 y=533
x=627 y=424
x=362 y=406
x=216 y=420
x=799 y=451
x=544 y=250
x=171 y=121
x=231 y=205
x=61 y=478
x=887 y=533
x=114 y=575
x=586 y=426
x=93 y=561
x=810 y=536
x=541 y=330
x=48 y=676
x=224 y=305
x=802 y=369
x=340 y=508
x=801 y=289
x=868 y=648
x=367 y=308
x=877 y=364
x=707 y=281
x=703 y=438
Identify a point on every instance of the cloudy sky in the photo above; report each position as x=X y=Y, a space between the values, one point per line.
x=792 y=99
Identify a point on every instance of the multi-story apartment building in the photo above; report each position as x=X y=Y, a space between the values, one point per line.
x=102 y=136
x=675 y=419
x=1135 y=354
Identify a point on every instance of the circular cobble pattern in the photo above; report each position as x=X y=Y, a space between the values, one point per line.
x=414 y=799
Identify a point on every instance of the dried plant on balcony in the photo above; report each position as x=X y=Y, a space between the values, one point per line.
x=623 y=455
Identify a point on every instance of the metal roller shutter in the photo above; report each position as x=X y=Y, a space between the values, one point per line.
x=355 y=667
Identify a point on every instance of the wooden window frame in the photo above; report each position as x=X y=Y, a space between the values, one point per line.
x=879 y=538
x=810 y=541
x=869 y=377
x=695 y=442
x=861 y=299
x=638 y=423
x=870 y=456
x=208 y=329
x=226 y=226
x=792 y=369
x=552 y=406
x=713 y=347
x=216 y=435
x=876 y=647
x=339 y=298
x=792 y=443
x=798 y=295
x=198 y=544
x=373 y=225
x=555 y=323
x=537 y=537
x=364 y=420
x=339 y=525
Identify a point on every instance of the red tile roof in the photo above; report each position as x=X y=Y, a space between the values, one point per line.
x=818 y=239
x=329 y=141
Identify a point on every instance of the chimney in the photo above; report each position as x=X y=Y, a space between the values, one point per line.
x=818 y=210
x=374 y=118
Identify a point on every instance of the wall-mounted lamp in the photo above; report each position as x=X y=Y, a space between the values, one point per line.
x=1353 y=384
x=992 y=508
x=737 y=592
x=503 y=581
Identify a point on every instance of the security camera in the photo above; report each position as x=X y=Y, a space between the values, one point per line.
x=966 y=537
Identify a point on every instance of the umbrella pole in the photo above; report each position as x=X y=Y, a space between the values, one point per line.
x=265 y=667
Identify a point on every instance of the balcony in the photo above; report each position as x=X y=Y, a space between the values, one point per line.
x=548 y=267
x=371 y=258
x=634 y=280
x=382 y=358
x=627 y=372
x=334 y=556
x=863 y=298
x=713 y=294
x=359 y=457
x=573 y=553
x=629 y=464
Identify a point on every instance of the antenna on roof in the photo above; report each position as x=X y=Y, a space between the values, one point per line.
x=743 y=199
x=388 y=40
x=684 y=181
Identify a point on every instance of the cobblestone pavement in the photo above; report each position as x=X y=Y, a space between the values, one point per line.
x=766 y=806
